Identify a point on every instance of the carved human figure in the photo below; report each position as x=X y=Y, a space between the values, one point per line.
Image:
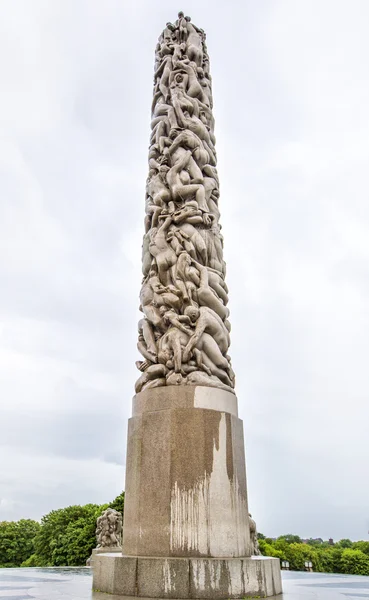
x=171 y=348
x=146 y=340
x=214 y=247
x=193 y=87
x=172 y=345
x=177 y=149
x=194 y=43
x=168 y=33
x=206 y=353
x=161 y=250
x=196 y=238
x=152 y=376
x=210 y=278
x=163 y=73
x=212 y=195
x=218 y=364
x=206 y=320
x=181 y=24
x=157 y=194
x=206 y=294
x=153 y=296
x=146 y=256
x=190 y=141
x=184 y=235
x=165 y=42
x=188 y=213
x=187 y=278
x=156 y=186
x=163 y=112
x=181 y=186
x=206 y=87
x=196 y=125
x=179 y=98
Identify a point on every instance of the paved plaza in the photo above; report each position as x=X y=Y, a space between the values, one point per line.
x=75 y=584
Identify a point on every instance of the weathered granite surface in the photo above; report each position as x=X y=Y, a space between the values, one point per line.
x=179 y=578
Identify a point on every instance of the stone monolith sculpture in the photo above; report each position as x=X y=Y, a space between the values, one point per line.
x=186 y=527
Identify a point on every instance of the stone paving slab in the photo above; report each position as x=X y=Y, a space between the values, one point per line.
x=75 y=584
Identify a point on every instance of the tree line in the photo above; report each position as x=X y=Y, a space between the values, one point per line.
x=344 y=556
x=66 y=537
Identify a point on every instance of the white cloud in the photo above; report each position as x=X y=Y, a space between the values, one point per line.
x=33 y=484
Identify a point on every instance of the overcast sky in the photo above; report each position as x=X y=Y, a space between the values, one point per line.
x=291 y=98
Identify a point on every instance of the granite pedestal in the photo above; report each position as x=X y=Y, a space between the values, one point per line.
x=186 y=527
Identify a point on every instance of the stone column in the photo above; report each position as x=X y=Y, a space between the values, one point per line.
x=186 y=527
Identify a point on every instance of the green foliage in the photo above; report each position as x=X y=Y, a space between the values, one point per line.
x=280 y=544
x=17 y=541
x=269 y=550
x=118 y=503
x=269 y=540
x=317 y=543
x=343 y=557
x=290 y=538
x=354 y=562
x=363 y=546
x=330 y=559
x=67 y=535
x=33 y=561
x=298 y=554
x=344 y=543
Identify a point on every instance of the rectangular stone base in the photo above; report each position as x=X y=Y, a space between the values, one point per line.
x=185 y=491
x=184 y=578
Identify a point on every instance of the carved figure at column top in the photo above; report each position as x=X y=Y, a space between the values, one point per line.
x=184 y=333
x=109 y=527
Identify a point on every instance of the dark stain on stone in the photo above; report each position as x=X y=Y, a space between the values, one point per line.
x=208 y=586
x=136 y=579
x=243 y=585
x=194 y=434
x=259 y=575
x=229 y=447
x=225 y=576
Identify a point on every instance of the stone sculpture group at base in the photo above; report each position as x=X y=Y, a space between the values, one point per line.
x=109 y=529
